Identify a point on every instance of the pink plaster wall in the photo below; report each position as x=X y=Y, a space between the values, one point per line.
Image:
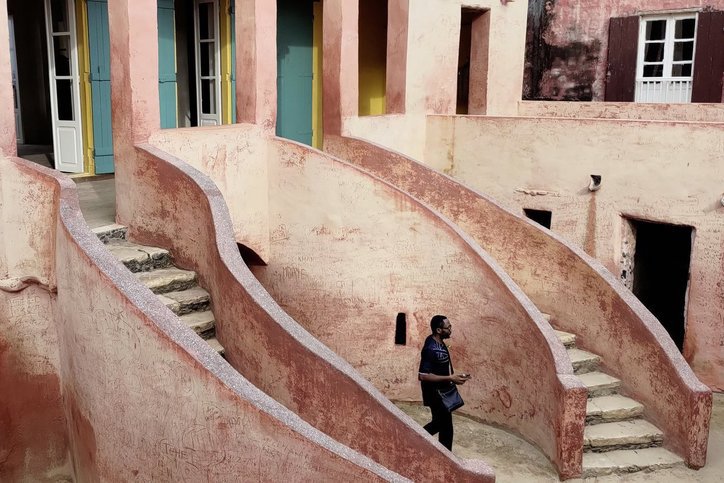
x=148 y=399
x=268 y=347
x=235 y=157
x=397 y=14
x=340 y=65
x=570 y=21
x=172 y=205
x=651 y=170
x=349 y=252
x=34 y=446
x=26 y=246
x=432 y=34
x=256 y=66
x=699 y=112
x=135 y=112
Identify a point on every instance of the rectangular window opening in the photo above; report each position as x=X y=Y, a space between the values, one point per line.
x=542 y=217
x=666 y=58
x=372 y=57
x=473 y=61
x=401 y=329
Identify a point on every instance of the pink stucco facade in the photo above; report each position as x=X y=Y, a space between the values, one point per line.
x=578 y=292
x=655 y=170
x=347 y=239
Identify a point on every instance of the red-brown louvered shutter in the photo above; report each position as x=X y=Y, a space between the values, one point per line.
x=623 y=36
x=709 y=59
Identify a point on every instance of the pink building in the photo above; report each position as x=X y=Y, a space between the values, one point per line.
x=259 y=302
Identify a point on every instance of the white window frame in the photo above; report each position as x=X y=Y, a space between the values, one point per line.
x=667 y=88
x=208 y=119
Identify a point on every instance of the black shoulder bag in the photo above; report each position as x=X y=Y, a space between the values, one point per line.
x=450 y=396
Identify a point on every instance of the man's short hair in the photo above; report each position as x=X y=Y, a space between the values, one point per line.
x=437 y=322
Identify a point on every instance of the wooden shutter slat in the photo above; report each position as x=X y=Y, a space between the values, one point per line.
x=623 y=34
x=709 y=58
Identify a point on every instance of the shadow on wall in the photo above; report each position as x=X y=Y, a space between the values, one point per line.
x=556 y=72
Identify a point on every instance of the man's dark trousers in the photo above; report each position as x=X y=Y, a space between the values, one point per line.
x=441 y=423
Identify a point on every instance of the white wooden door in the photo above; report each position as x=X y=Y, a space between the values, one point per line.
x=64 y=85
x=208 y=62
x=16 y=85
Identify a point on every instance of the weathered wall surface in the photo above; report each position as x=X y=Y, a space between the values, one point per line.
x=34 y=446
x=699 y=112
x=147 y=399
x=235 y=158
x=583 y=296
x=349 y=253
x=262 y=342
x=567 y=42
x=430 y=87
x=660 y=171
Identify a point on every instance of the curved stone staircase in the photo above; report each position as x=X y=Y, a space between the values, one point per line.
x=617 y=439
x=177 y=289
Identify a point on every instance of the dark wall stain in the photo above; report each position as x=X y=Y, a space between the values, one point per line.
x=556 y=72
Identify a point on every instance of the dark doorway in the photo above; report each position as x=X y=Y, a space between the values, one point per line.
x=542 y=217
x=32 y=92
x=661 y=273
x=473 y=61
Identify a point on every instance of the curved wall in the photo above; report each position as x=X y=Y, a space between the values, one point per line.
x=582 y=295
x=143 y=397
x=349 y=252
x=236 y=158
x=660 y=171
x=262 y=342
x=34 y=444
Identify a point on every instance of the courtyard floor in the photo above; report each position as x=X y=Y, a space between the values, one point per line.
x=515 y=460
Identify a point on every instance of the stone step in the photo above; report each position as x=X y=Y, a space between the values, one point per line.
x=166 y=280
x=604 y=409
x=568 y=339
x=201 y=322
x=599 y=384
x=194 y=299
x=138 y=258
x=633 y=434
x=628 y=461
x=214 y=343
x=110 y=232
x=583 y=362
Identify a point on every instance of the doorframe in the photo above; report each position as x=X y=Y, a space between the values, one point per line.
x=201 y=118
x=627 y=232
x=74 y=77
x=15 y=82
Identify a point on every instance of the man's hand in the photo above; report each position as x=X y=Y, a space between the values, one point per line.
x=459 y=379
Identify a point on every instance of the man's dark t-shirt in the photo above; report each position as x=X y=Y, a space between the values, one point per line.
x=434 y=359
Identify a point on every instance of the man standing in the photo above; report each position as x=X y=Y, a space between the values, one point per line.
x=436 y=373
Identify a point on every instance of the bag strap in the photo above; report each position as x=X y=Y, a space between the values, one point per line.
x=449 y=358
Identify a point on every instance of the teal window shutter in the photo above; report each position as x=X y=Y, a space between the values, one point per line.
x=100 y=80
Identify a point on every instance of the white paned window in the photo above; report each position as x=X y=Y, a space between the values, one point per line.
x=665 y=65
